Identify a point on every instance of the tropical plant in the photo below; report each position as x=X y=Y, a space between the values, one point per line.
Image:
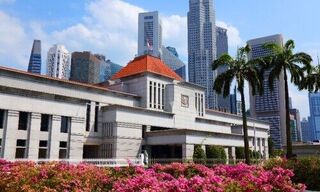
x=281 y=62
x=312 y=81
x=241 y=70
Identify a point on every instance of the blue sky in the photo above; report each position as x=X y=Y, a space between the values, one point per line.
x=110 y=27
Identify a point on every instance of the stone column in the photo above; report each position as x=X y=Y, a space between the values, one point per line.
x=232 y=154
x=10 y=135
x=226 y=150
x=54 y=137
x=266 y=149
x=187 y=151
x=76 y=137
x=34 y=136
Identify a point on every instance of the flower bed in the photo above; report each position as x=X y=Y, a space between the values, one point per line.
x=172 y=177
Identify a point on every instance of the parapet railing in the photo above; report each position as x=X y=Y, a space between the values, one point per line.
x=96 y=162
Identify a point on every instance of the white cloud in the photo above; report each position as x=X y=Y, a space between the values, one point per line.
x=233 y=34
x=175 y=33
x=13 y=41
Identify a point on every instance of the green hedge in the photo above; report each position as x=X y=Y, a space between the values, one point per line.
x=253 y=154
x=216 y=152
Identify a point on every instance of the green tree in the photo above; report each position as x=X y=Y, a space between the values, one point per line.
x=279 y=64
x=241 y=70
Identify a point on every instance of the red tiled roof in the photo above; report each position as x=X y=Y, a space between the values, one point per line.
x=146 y=63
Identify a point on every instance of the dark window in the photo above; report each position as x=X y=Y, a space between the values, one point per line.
x=21 y=149
x=65 y=124
x=21 y=142
x=1 y=119
x=144 y=129
x=43 y=143
x=45 y=121
x=96 y=117
x=150 y=94
x=23 y=121
x=43 y=149
x=88 y=117
x=63 y=144
x=63 y=151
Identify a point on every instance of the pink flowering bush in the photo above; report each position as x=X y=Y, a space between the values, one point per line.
x=174 y=177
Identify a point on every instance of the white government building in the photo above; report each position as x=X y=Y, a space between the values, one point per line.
x=146 y=106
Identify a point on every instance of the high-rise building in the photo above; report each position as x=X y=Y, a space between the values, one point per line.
x=270 y=106
x=296 y=116
x=314 y=105
x=169 y=57
x=150 y=42
x=115 y=68
x=85 y=67
x=305 y=129
x=35 y=58
x=222 y=48
x=149 y=34
x=293 y=128
x=105 y=68
x=58 y=62
x=202 y=47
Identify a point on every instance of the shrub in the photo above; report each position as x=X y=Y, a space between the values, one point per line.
x=306 y=169
x=199 y=155
x=240 y=153
x=217 y=153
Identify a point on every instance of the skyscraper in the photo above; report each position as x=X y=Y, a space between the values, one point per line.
x=202 y=47
x=314 y=105
x=35 y=58
x=149 y=34
x=222 y=48
x=305 y=129
x=115 y=68
x=270 y=106
x=85 y=67
x=58 y=62
x=150 y=42
x=296 y=115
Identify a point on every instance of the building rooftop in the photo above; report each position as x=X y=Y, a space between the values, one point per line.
x=146 y=63
x=75 y=83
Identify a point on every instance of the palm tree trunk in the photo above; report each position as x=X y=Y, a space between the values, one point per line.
x=245 y=128
x=288 y=129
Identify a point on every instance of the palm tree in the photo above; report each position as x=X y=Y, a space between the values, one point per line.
x=240 y=70
x=312 y=81
x=284 y=61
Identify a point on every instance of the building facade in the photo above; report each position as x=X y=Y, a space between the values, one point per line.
x=145 y=107
x=35 y=58
x=58 y=62
x=202 y=47
x=115 y=68
x=85 y=67
x=270 y=106
x=314 y=106
x=169 y=57
x=149 y=34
